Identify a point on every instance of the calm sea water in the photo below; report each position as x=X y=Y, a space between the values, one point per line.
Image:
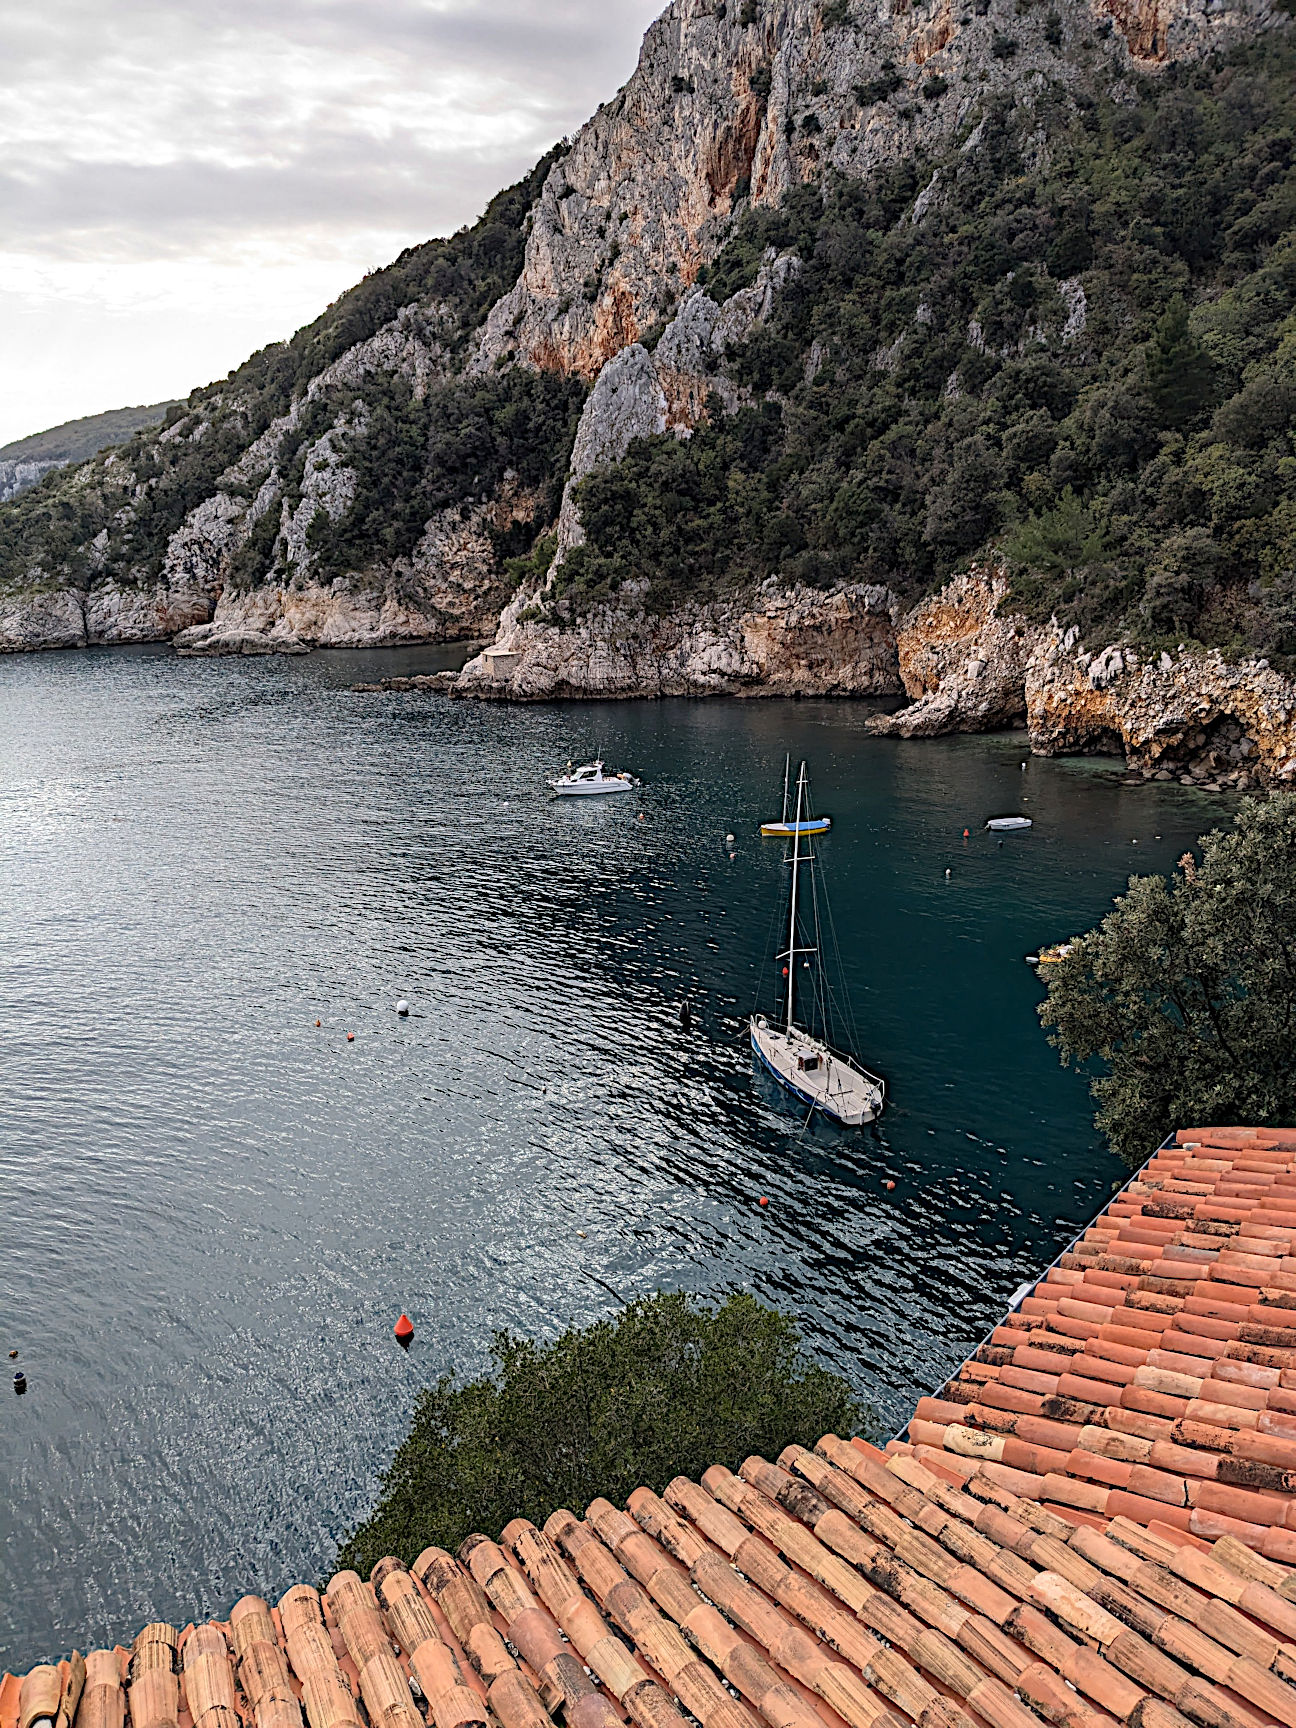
x=214 y=1211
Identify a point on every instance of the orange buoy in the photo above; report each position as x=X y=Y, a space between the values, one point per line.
x=404 y=1329
x=764 y=1200
x=350 y=1037
x=890 y=1187
x=966 y=833
x=317 y=1022
x=785 y=971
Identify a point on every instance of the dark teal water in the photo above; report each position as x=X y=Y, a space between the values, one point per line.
x=213 y=1212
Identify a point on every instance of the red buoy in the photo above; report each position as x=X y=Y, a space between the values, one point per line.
x=890 y=1187
x=785 y=971
x=350 y=1037
x=404 y=1329
x=764 y=1200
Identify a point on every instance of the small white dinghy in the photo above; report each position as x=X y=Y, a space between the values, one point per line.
x=1006 y=824
x=589 y=781
x=804 y=1064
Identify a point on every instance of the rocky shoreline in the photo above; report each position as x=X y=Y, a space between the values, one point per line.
x=963 y=660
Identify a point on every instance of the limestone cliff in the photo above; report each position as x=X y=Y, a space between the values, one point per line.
x=380 y=478
x=16 y=477
x=735 y=101
x=776 y=642
x=969 y=665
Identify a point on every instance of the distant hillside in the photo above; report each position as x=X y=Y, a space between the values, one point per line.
x=76 y=440
x=26 y=460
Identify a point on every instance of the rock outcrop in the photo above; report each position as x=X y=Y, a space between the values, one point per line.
x=107 y=616
x=447 y=591
x=962 y=664
x=16 y=477
x=777 y=642
x=1188 y=717
x=969 y=664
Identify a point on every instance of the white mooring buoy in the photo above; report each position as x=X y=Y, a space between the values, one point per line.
x=402 y=1008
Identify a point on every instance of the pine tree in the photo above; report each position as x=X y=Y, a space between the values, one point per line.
x=1179 y=371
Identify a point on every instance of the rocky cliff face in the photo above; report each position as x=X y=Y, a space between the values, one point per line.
x=302 y=533
x=731 y=101
x=777 y=642
x=16 y=477
x=969 y=665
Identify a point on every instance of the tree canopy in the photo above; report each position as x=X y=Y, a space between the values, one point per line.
x=1186 y=992
x=669 y=1386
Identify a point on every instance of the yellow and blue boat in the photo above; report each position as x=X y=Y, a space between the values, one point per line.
x=785 y=830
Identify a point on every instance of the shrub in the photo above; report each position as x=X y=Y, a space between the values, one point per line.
x=887 y=82
x=667 y=1388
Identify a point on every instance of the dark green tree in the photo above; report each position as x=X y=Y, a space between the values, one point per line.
x=1178 y=369
x=667 y=1388
x=1058 y=541
x=1186 y=993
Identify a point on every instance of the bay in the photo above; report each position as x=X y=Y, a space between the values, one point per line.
x=214 y=1211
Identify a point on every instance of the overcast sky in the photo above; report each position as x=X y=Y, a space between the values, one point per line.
x=182 y=181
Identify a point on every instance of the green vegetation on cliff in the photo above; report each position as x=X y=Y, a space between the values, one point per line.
x=1084 y=350
x=667 y=1388
x=1185 y=994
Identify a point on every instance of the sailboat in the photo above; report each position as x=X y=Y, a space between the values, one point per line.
x=804 y=1064
x=783 y=828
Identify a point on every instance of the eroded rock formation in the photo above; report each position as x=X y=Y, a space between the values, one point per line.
x=969 y=665
x=778 y=642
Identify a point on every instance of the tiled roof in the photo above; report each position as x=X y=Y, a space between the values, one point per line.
x=1090 y=1526
x=1151 y=1374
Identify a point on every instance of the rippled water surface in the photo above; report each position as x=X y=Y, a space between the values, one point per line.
x=213 y=1211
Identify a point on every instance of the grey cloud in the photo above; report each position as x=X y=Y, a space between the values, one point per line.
x=239 y=162
x=123 y=210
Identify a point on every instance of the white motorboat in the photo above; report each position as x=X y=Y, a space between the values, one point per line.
x=803 y=1063
x=1006 y=824
x=589 y=781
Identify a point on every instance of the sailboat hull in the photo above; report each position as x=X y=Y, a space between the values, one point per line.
x=812 y=1072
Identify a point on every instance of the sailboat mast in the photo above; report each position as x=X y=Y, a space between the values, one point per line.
x=796 y=863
